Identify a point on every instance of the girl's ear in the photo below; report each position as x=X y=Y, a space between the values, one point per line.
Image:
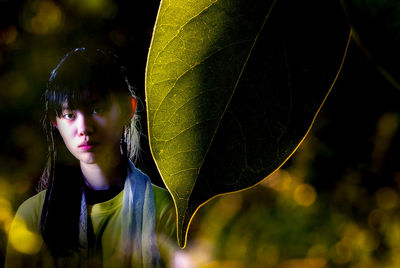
x=133 y=106
x=53 y=121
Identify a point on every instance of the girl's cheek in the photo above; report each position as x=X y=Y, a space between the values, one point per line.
x=101 y=121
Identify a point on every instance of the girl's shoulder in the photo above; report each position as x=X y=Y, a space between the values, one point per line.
x=30 y=210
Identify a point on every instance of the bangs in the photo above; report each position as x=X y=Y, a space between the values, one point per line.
x=75 y=98
x=82 y=78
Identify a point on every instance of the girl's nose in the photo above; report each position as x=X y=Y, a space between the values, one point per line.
x=84 y=124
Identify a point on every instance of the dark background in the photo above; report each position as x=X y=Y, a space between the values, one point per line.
x=334 y=203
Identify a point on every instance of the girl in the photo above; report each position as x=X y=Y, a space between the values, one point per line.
x=96 y=210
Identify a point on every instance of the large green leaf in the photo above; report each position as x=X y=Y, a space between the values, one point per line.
x=232 y=88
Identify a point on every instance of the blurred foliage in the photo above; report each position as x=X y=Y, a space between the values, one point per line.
x=335 y=203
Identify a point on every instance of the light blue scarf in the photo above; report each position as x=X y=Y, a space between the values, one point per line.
x=138 y=240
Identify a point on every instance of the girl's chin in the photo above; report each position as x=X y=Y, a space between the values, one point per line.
x=88 y=161
x=90 y=158
x=87 y=158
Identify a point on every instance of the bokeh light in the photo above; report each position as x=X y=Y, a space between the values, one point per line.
x=6 y=214
x=42 y=17
x=8 y=35
x=97 y=8
x=387 y=198
x=24 y=240
x=305 y=195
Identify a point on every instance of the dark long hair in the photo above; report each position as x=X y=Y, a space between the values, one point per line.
x=81 y=74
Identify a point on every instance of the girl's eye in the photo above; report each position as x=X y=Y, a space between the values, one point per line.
x=98 y=110
x=68 y=116
x=99 y=107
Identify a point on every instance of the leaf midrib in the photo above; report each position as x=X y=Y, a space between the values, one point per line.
x=230 y=98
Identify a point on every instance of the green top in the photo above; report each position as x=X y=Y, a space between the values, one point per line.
x=106 y=223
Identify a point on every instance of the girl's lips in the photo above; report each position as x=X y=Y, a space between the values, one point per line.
x=86 y=147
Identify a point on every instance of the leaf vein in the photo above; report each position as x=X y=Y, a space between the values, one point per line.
x=233 y=91
x=180 y=29
x=192 y=68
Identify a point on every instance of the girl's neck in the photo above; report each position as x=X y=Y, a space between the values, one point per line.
x=104 y=176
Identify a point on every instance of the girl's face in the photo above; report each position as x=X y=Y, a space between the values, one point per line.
x=92 y=133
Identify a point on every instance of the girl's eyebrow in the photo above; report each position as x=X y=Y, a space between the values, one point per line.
x=65 y=106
